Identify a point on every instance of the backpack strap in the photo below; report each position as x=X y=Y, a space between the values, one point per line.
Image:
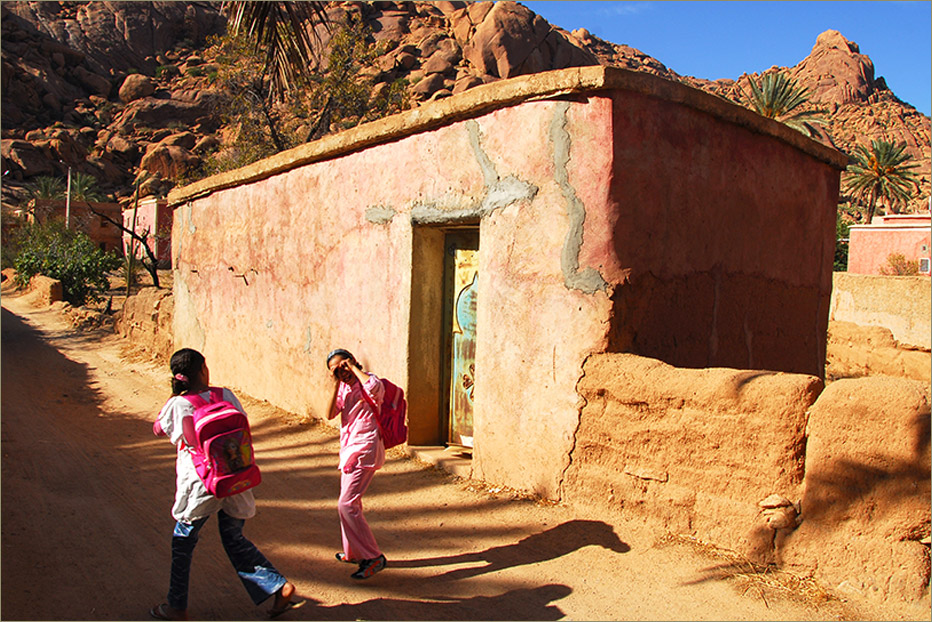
x=375 y=408
x=216 y=395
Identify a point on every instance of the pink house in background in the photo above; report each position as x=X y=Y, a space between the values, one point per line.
x=152 y=215
x=870 y=245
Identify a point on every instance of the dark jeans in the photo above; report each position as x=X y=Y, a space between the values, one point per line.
x=259 y=577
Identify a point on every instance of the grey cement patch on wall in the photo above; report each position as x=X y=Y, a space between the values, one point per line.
x=588 y=280
x=499 y=193
x=190 y=217
x=380 y=214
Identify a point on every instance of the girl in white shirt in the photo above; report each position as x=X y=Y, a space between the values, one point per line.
x=194 y=504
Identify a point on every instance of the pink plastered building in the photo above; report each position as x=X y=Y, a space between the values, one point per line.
x=600 y=210
x=871 y=245
x=154 y=217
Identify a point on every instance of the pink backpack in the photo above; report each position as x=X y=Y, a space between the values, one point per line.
x=222 y=448
x=392 y=417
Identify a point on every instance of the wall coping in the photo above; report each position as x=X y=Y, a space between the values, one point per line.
x=502 y=94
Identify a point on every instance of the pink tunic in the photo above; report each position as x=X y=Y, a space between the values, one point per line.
x=360 y=442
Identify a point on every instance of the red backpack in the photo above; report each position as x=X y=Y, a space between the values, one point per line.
x=392 y=417
x=222 y=450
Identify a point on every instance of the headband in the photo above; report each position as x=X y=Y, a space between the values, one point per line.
x=341 y=352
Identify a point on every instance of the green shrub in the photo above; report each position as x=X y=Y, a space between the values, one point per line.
x=841 y=241
x=67 y=255
x=898 y=265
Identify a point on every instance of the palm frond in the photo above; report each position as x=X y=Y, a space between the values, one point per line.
x=284 y=32
x=84 y=188
x=780 y=98
x=46 y=187
x=883 y=172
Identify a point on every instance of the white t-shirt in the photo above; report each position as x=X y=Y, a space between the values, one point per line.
x=192 y=500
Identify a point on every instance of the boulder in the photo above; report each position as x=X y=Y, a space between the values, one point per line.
x=169 y=161
x=158 y=113
x=504 y=38
x=122 y=146
x=26 y=157
x=136 y=86
x=437 y=64
x=428 y=85
x=96 y=83
x=187 y=140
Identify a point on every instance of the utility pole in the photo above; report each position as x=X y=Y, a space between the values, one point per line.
x=68 y=202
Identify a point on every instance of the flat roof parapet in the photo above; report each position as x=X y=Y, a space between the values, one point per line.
x=502 y=94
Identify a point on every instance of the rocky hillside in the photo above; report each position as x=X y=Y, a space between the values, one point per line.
x=109 y=88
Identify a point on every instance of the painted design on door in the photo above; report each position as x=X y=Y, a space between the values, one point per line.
x=463 y=354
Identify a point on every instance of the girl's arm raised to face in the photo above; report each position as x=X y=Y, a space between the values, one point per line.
x=332 y=410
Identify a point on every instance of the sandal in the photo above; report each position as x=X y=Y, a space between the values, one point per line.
x=164 y=612
x=294 y=601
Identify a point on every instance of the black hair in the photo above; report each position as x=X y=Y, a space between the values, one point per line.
x=345 y=354
x=186 y=365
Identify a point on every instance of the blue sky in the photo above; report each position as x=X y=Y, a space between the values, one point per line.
x=725 y=39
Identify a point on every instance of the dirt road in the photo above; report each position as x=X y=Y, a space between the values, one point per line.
x=87 y=488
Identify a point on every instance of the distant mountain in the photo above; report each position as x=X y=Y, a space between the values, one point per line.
x=110 y=86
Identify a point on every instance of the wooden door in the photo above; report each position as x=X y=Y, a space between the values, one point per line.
x=461 y=276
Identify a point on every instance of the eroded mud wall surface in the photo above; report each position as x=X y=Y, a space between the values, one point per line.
x=691 y=450
x=902 y=304
x=865 y=507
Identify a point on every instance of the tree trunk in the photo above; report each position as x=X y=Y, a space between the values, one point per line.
x=153 y=266
x=871 y=207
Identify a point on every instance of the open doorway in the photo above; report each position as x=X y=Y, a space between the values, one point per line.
x=441 y=361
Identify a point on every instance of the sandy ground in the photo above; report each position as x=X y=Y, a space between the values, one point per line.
x=87 y=488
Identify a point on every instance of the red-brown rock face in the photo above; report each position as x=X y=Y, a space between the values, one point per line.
x=136 y=70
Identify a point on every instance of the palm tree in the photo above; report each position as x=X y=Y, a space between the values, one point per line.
x=280 y=29
x=84 y=188
x=47 y=187
x=884 y=173
x=780 y=98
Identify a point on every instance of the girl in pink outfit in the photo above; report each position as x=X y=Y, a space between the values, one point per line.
x=356 y=397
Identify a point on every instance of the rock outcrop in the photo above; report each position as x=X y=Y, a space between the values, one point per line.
x=857 y=105
x=111 y=80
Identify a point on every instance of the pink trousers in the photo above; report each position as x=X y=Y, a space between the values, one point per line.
x=358 y=541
